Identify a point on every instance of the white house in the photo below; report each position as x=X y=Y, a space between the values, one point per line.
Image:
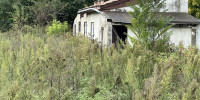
x=105 y=21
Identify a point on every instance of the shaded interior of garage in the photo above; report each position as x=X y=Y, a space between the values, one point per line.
x=119 y=33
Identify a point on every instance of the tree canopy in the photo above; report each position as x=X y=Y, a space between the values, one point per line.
x=17 y=13
x=194 y=8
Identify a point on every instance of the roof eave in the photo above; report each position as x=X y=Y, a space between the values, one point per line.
x=184 y=23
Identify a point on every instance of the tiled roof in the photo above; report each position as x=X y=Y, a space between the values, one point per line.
x=118 y=17
x=180 y=18
x=177 y=18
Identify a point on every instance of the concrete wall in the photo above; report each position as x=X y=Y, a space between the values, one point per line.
x=99 y=23
x=170 y=6
x=181 y=34
x=176 y=6
x=123 y=9
x=130 y=33
x=198 y=36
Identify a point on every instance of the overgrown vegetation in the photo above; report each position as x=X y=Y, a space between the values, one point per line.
x=39 y=66
x=150 y=29
x=19 y=13
x=194 y=8
x=57 y=28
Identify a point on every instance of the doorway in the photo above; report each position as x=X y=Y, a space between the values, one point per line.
x=119 y=33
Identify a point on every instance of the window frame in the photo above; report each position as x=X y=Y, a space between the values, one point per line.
x=102 y=35
x=85 y=28
x=79 y=27
x=92 y=30
x=75 y=29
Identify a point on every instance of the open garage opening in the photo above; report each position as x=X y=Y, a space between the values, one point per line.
x=119 y=32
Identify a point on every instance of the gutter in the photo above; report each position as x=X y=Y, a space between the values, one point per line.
x=94 y=9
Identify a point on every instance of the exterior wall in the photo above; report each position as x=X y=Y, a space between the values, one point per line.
x=99 y=23
x=123 y=9
x=170 y=6
x=198 y=36
x=176 y=6
x=109 y=26
x=181 y=34
x=116 y=4
x=130 y=33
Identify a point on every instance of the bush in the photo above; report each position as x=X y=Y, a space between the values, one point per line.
x=64 y=67
x=57 y=28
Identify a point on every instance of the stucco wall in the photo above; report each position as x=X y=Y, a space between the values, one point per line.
x=130 y=33
x=198 y=36
x=123 y=9
x=99 y=23
x=181 y=34
x=170 y=6
x=176 y=6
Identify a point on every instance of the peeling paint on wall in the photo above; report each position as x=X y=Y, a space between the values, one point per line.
x=176 y=6
x=170 y=6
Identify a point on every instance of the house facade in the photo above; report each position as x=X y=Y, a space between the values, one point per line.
x=105 y=22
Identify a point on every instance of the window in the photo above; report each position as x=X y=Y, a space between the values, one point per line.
x=194 y=36
x=79 y=27
x=85 y=28
x=74 y=29
x=102 y=35
x=92 y=30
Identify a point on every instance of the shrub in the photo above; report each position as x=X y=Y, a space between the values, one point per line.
x=57 y=28
x=64 y=67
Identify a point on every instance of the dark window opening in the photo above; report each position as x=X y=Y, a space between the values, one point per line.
x=85 y=28
x=79 y=27
x=74 y=29
x=119 y=33
x=194 y=31
x=102 y=35
x=92 y=30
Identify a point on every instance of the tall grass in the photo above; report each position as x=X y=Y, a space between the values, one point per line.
x=64 y=67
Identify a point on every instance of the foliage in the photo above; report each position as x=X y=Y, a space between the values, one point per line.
x=57 y=27
x=18 y=13
x=38 y=66
x=194 y=8
x=20 y=16
x=148 y=27
x=45 y=11
x=5 y=16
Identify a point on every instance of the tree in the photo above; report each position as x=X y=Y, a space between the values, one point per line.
x=17 y=13
x=20 y=15
x=71 y=8
x=149 y=28
x=46 y=10
x=5 y=16
x=194 y=8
